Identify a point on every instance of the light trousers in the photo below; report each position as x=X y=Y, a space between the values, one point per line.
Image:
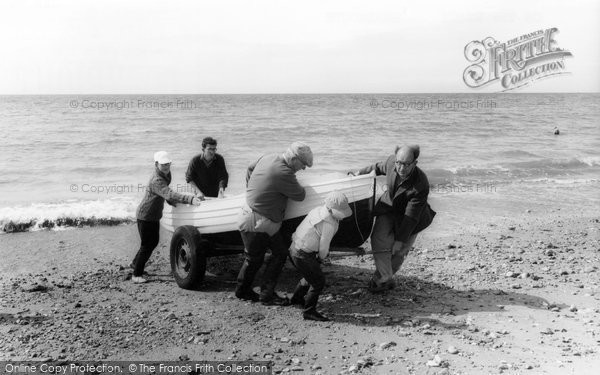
x=388 y=254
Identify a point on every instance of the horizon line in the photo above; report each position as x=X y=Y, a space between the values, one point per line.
x=312 y=93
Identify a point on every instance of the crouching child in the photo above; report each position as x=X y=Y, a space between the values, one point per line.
x=310 y=245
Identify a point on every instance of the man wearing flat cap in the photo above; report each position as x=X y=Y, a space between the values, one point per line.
x=401 y=212
x=270 y=182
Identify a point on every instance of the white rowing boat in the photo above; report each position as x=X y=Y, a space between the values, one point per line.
x=220 y=215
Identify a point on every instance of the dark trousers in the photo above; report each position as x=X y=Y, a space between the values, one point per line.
x=149 y=235
x=255 y=247
x=313 y=283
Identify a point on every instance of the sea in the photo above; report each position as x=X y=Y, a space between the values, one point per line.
x=73 y=160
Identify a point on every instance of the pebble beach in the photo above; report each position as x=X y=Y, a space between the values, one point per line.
x=501 y=283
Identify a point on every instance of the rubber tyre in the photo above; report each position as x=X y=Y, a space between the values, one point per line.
x=188 y=257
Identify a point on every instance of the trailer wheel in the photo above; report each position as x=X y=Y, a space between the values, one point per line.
x=188 y=257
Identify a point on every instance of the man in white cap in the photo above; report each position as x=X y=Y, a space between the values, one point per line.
x=270 y=181
x=310 y=246
x=149 y=211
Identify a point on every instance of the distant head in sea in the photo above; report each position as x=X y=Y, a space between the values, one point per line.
x=162 y=160
x=406 y=160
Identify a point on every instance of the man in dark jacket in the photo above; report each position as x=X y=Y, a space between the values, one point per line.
x=401 y=212
x=207 y=172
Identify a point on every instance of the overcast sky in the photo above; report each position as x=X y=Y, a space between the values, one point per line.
x=135 y=47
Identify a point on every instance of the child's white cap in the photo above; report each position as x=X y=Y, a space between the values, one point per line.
x=162 y=157
x=338 y=204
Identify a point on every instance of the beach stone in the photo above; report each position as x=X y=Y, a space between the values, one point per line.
x=170 y=316
x=386 y=345
x=200 y=340
x=437 y=361
x=573 y=308
x=366 y=362
x=34 y=287
x=256 y=317
x=452 y=350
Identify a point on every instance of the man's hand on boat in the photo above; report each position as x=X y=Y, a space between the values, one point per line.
x=196 y=200
x=221 y=193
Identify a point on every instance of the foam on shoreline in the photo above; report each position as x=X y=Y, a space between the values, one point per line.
x=39 y=216
x=121 y=210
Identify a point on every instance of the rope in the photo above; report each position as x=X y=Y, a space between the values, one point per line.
x=355 y=211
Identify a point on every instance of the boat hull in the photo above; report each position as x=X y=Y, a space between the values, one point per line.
x=216 y=219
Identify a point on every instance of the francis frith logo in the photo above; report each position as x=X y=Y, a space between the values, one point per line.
x=515 y=63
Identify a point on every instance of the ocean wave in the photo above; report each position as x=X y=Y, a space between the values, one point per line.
x=518 y=154
x=39 y=216
x=551 y=164
x=566 y=181
x=590 y=160
x=539 y=168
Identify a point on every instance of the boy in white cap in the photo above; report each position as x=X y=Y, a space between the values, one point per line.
x=310 y=245
x=149 y=211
